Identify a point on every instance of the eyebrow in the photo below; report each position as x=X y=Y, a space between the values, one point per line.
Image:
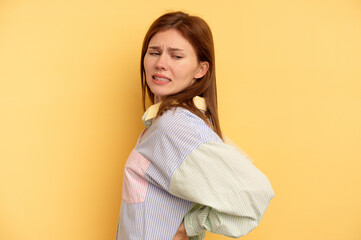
x=170 y=48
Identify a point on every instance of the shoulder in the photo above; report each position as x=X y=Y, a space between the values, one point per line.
x=178 y=116
x=179 y=121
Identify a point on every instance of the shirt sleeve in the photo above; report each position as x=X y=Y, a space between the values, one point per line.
x=229 y=193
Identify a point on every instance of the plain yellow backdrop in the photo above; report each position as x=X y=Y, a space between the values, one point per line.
x=289 y=81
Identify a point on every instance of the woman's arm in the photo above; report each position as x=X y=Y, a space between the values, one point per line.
x=181 y=233
x=230 y=194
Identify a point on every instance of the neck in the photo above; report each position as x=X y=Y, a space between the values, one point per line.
x=157 y=99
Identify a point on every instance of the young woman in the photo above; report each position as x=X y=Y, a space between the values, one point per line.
x=181 y=179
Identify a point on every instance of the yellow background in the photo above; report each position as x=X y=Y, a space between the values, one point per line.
x=289 y=80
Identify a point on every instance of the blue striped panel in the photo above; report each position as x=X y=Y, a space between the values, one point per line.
x=157 y=218
x=168 y=141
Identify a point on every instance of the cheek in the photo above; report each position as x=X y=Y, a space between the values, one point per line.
x=184 y=69
x=188 y=71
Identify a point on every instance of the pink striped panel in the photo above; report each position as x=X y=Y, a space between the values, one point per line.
x=134 y=184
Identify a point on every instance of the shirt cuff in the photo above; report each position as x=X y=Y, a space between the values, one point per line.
x=192 y=226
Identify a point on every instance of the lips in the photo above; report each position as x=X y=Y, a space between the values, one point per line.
x=160 y=79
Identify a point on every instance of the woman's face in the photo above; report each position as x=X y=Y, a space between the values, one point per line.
x=171 y=64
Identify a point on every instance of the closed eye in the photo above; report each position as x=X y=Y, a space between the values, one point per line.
x=177 y=57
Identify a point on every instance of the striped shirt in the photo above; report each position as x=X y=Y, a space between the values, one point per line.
x=180 y=169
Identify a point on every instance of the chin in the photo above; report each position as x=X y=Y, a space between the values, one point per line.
x=160 y=94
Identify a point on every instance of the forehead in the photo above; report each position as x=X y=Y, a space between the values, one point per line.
x=170 y=38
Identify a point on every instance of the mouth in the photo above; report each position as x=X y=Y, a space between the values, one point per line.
x=160 y=79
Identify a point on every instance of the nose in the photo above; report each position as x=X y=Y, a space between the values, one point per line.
x=161 y=63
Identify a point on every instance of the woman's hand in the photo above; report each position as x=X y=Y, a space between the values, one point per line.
x=181 y=233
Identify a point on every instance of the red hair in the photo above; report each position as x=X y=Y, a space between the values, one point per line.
x=198 y=33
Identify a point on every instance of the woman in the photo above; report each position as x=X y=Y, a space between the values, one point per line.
x=182 y=179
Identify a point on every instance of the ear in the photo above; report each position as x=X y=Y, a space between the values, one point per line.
x=202 y=69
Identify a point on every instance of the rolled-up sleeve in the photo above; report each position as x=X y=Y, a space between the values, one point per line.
x=229 y=193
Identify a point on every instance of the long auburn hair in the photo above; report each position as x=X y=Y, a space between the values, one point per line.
x=198 y=33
